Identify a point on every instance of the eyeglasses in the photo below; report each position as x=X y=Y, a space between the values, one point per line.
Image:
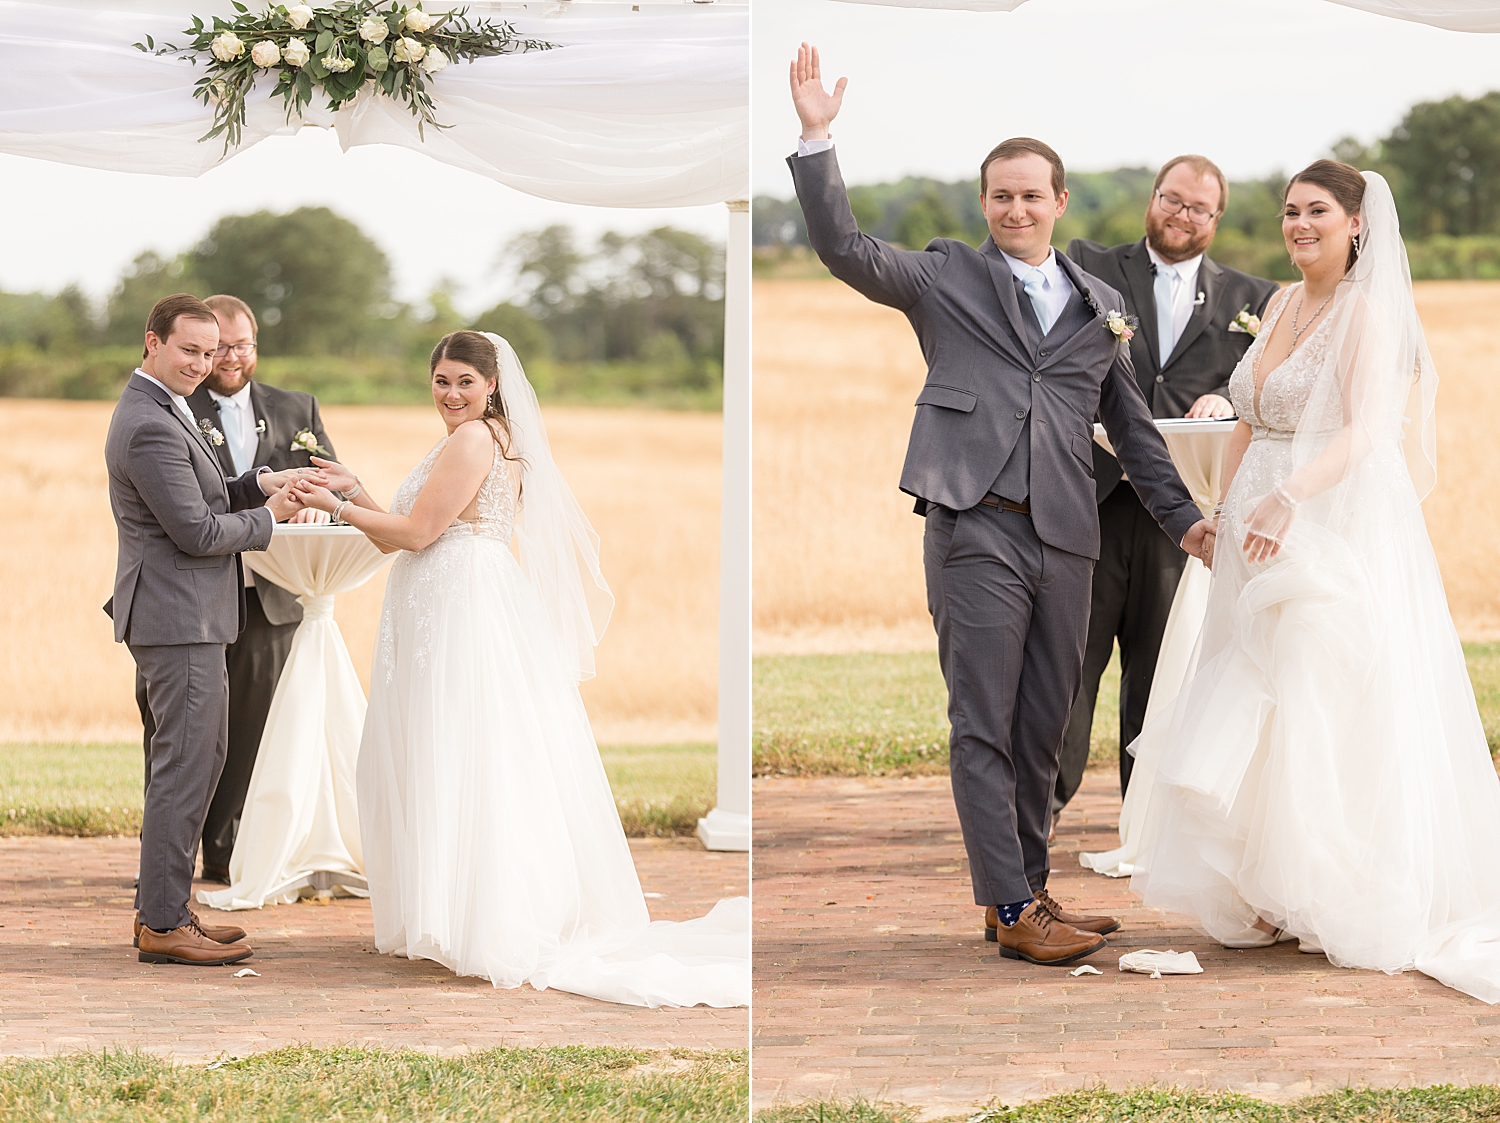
x=1196 y=215
x=242 y=350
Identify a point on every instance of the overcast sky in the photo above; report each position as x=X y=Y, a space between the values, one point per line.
x=1257 y=87
x=66 y=224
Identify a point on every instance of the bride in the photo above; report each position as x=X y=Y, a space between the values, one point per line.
x=491 y=839
x=1323 y=775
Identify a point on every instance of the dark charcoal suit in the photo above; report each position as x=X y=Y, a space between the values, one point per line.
x=255 y=660
x=1138 y=570
x=1008 y=592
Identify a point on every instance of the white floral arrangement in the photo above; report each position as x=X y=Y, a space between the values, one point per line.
x=1245 y=322
x=215 y=437
x=339 y=50
x=306 y=441
x=1121 y=325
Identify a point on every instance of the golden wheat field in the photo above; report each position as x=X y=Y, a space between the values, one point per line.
x=838 y=551
x=649 y=480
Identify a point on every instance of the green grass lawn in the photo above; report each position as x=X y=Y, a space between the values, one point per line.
x=568 y=1085
x=96 y=789
x=885 y=715
x=1444 y=1104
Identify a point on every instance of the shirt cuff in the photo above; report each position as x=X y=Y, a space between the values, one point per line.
x=812 y=147
x=262 y=470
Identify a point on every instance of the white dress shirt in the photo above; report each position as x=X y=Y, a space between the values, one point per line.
x=177 y=399
x=237 y=416
x=1176 y=290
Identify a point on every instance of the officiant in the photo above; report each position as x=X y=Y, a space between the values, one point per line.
x=249 y=424
x=1197 y=319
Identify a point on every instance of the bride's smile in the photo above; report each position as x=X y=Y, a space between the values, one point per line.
x=459 y=391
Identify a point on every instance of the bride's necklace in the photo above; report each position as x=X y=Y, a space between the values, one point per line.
x=1296 y=312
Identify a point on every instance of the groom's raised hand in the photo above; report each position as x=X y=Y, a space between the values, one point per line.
x=816 y=107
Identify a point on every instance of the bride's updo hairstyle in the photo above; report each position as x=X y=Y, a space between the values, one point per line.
x=472 y=349
x=1343 y=182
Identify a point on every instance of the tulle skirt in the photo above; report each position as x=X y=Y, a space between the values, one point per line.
x=492 y=843
x=1325 y=766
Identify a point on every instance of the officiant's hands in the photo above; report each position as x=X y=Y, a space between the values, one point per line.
x=816 y=107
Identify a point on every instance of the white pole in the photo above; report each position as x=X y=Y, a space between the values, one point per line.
x=727 y=826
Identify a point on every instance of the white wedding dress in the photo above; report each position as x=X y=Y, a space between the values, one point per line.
x=491 y=840
x=1325 y=767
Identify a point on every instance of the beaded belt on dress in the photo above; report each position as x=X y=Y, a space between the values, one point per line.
x=1258 y=432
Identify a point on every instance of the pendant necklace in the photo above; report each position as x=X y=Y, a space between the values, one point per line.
x=1296 y=331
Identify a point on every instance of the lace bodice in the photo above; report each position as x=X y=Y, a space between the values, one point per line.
x=497 y=498
x=1287 y=389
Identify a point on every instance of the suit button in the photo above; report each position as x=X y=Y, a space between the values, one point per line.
x=1043 y=352
x=1036 y=378
x=1020 y=415
x=1159 y=378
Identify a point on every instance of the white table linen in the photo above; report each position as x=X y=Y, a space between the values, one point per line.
x=300 y=815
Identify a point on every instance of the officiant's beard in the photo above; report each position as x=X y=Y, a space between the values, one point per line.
x=1176 y=249
x=231 y=381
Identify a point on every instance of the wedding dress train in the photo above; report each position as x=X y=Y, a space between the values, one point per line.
x=1325 y=767
x=491 y=839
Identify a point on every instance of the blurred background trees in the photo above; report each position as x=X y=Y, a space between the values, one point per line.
x=636 y=318
x=1442 y=160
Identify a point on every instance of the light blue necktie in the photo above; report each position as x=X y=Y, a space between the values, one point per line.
x=1035 y=284
x=1165 y=291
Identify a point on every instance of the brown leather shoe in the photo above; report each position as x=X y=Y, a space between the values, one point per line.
x=1103 y=925
x=218 y=933
x=187 y=945
x=1039 y=937
x=217 y=874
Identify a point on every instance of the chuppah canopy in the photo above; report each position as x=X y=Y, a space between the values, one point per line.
x=637 y=105
x=1455 y=15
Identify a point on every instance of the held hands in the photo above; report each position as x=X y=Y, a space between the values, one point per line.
x=1199 y=541
x=319 y=498
x=816 y=108
x=332 y=475
x=1267 y=526
x=1211 y=405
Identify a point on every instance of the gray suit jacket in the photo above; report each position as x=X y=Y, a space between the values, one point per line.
x=1206 y=354
x=285 y=414
x=989 y=378
x=181 y=526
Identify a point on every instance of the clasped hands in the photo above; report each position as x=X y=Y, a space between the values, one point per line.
x=305 y=495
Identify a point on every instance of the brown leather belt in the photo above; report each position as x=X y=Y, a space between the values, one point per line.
x=993 y=500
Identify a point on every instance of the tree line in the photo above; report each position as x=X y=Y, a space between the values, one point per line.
x=627 y=318
x=1442 y=161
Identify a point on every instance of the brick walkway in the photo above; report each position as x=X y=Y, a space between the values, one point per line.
x=69 y=978
x=873 y=979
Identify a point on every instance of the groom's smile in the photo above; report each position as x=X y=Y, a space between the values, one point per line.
x=1021 y=205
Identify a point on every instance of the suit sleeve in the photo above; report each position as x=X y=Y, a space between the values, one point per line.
x=317 y=428
x=245 y=492
x=875 y=269
x=1142 y=451
x=162 y=474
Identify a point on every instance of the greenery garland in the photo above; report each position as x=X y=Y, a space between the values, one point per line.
x=337 y=49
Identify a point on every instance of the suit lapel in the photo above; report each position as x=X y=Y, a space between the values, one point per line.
x=1136 y=265
x=1095 y=317
x=263 y=420
x=1208 y=285
x=205 y=408
x=1004 y=281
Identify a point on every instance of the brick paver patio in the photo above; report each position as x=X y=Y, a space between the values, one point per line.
x=69 y=979
x=873 y=978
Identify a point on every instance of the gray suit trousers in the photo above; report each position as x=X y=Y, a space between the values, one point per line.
x=1011 y=614
x=187 y=689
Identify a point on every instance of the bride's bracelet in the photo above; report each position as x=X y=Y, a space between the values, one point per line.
x=1284 y=497
x=359 y=486
x=1218 y=509
x=338 y=510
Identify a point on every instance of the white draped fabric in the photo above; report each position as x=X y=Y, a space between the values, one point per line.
x=643 y=109
x=300 y=812
x=1455 y=15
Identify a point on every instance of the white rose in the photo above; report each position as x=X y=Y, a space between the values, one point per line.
x=416 y=20
x=373 y=30
x=434 y=61
x=296 y=52
x=227 y=46
x=299 y=17
x=265 y=54
x=408 y=50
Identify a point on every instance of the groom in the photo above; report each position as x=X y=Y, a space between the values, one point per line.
x=179 y=598
x=1021 y=355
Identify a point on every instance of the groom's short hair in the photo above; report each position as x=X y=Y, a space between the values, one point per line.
x=1023 y=146
x=231 y=306
x=166 y=312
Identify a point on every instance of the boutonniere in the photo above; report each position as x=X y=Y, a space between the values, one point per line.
x=260 y=427
x=304 y=441
x=1122 y=325
x=1202 y=300
x=1244 y=322
x=214 y=436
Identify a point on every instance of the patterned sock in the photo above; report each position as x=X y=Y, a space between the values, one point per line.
x=1009 y=914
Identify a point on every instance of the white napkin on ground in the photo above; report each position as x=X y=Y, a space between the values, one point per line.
x=1159 y=963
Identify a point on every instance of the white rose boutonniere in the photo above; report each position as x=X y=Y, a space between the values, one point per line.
x=1121 y=325
x=304 y=441
x=299 y=16
x=215 y=437
x=1244 y=322
x=265 y=54
x=227 y=47
x=295 y=53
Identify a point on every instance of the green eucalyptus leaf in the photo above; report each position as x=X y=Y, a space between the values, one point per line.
x=378 y=59
x=325 y=40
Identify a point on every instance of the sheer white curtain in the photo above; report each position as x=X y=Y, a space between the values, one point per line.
x=635 y=109
x=1455 y=15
